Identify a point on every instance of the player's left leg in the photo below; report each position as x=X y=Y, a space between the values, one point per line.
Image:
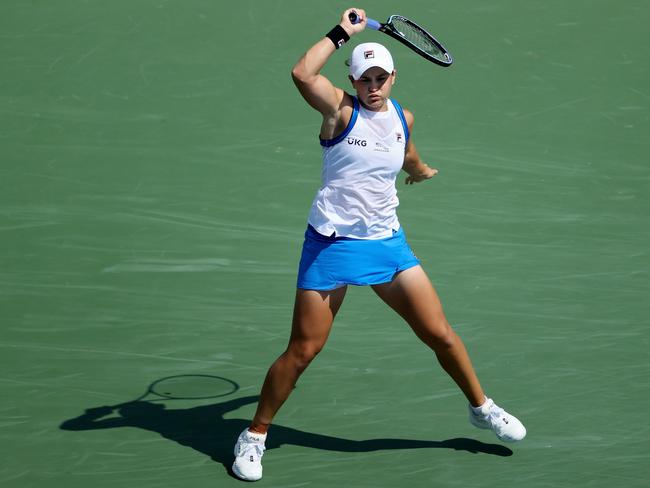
x=413 y=297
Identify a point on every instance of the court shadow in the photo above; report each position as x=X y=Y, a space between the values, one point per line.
x=204 y=429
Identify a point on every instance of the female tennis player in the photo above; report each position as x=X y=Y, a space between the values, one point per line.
x=354 y=236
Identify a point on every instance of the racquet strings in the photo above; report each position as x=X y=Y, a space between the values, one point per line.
x=418 y=37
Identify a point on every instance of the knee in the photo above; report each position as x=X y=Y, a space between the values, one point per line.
x=302 y=354
x=442 y=337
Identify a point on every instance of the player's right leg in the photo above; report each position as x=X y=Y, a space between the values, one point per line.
x=313 y=315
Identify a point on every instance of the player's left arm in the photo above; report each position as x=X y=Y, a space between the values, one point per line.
x=416 y=169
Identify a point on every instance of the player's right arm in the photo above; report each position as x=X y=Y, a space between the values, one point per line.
x=316 y=89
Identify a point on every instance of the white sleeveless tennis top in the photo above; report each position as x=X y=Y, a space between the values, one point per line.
x=358 y=197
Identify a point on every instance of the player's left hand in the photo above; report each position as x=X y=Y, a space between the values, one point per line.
x=426 y=174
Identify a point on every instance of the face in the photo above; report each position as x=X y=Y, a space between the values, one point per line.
x=373 y=88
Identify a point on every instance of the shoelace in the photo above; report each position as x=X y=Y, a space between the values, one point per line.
x=496 y=412
x=248 y=448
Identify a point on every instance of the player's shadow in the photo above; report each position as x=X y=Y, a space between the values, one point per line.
x=204 y=429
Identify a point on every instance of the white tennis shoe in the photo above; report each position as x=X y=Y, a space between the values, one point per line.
x=248 y=455
x=507 y=427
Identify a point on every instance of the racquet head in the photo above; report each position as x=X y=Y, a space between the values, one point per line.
x=411 y=35
x=419 y=40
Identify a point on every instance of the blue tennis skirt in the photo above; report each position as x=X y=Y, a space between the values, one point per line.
x=331 y=262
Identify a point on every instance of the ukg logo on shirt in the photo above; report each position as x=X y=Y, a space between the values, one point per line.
x=353 y=141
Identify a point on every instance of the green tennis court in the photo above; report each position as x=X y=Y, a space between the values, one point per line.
x=156 y=171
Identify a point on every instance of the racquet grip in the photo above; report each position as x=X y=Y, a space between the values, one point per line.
x=372 y=23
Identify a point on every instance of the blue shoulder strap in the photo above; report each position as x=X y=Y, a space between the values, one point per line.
x=400 y=112
x=343 y=135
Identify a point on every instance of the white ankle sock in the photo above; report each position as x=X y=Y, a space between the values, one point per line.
x=479 y=409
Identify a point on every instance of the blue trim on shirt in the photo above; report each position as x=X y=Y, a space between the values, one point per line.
x=400 y=112
x=353 y=119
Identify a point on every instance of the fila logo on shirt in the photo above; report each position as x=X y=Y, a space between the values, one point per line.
x=353 y=141
x=399 y=136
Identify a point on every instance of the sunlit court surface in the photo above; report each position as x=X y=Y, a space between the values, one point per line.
x=156 y=171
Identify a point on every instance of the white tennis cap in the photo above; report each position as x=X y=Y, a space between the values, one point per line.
x=368 y=55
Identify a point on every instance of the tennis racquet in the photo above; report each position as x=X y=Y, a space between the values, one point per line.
x=412 y=36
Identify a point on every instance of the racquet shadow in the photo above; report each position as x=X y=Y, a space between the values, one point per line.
x=204 y=429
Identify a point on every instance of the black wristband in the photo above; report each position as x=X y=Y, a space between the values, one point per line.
x=338 y=36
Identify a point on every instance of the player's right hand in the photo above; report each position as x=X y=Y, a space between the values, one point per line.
x=349 y=27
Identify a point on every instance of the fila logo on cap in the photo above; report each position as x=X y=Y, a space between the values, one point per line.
x=369 y=54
